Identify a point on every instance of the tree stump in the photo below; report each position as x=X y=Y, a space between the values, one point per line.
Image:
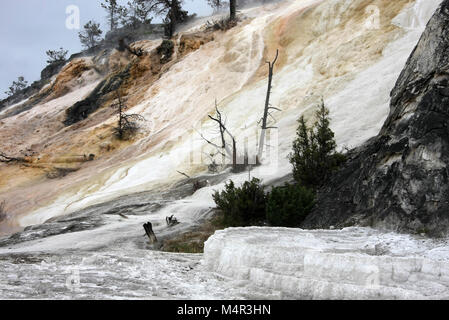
x=150 y=233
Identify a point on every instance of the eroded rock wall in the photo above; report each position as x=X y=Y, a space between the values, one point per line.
x=399 y=179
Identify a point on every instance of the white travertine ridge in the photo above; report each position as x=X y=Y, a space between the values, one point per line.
x=353 y=263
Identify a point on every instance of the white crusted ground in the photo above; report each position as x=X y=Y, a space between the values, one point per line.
x=354 y=263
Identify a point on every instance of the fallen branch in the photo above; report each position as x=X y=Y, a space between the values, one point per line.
x=8 y=159
x=171 y=221
x=182 y=173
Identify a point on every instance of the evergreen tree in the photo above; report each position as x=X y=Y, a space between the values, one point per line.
x=90 y=36
x=215 y=4
x=56 y=55
x=174 y=14
x=17 y=86
x=289 y=205
x=314 y=156
x=140 y=11
x=115 y=12
x=324 y=136
x=302 y=157
x=242 y=206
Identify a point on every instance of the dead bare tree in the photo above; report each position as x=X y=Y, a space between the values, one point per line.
x=213 y=166
x=3 y=215
x=224 y=149
x=182 y=173
x=127 y=123
x=267 y=108
x=223 y=130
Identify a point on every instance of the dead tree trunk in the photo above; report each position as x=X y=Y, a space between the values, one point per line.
x=232 y=8
x=266 y=112
x=223 y=130
x=127 y=123
x=234 y=155
x=150 y=233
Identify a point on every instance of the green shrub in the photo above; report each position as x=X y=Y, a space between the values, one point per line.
x=288 y=206
x=314 y=156
x=242 y=206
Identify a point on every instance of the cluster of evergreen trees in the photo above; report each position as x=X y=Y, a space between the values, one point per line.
x=313 y=158
x=141 y=12
x=135 y=14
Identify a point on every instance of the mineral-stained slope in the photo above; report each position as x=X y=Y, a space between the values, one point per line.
x=399 y=180
x=348 y=51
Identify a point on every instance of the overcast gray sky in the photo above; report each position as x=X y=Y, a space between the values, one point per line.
x=31 y=27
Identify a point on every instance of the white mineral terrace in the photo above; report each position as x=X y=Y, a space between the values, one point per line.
x=353 y=263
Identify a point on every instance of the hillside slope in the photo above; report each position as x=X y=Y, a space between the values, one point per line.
x=346 y=51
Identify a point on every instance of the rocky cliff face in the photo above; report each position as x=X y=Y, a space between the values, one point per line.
x=399 y=179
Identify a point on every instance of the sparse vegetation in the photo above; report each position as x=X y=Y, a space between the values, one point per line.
x=90 y=36
x=222 y=24
x=56 y=172
x=193 y=241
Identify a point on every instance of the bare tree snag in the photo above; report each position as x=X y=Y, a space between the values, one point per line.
x=227 y=150
x=127 y=123
x=267 y=108
x=182 y=173
x=150 y=233
x=233 y=10
x=223 y=130
x=3 y=214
